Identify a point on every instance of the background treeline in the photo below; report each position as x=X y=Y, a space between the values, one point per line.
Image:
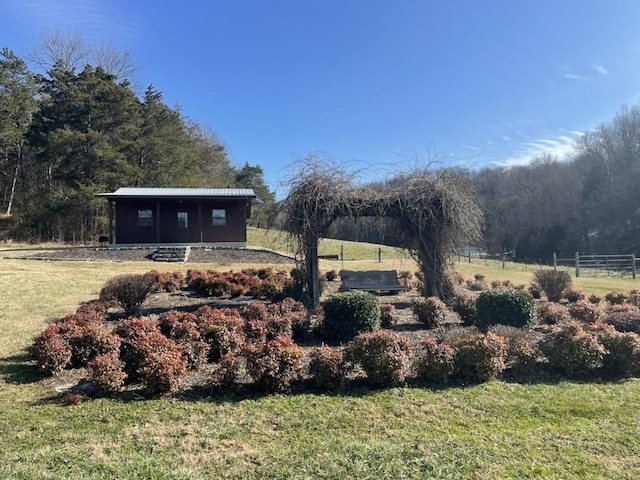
x=73 y=132
x=588 y=202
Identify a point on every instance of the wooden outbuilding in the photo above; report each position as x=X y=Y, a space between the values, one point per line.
x=171 y=216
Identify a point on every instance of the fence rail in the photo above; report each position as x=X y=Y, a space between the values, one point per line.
x=584 y=265
x=594 y=264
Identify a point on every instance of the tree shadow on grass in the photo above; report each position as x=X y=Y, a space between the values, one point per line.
x=19 y=369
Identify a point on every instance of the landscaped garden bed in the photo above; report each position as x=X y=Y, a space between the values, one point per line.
x=211 y=333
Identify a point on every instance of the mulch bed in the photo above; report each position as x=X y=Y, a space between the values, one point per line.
x=143 y=254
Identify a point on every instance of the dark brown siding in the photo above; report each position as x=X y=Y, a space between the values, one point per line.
x=200 y=228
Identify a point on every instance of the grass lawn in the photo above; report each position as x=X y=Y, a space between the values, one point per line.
x=492 y=431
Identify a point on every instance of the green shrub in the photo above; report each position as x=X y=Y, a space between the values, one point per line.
x=384 y=356
x=505 y=307
x=350 y=313
x=572 y=350
x=481 y=357
x=327 y=368
x=128 y=291
x=435 y=361
x=431 y=312
x=275 y=364
x=553 y=283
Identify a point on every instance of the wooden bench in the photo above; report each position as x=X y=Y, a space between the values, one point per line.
x=372 y=281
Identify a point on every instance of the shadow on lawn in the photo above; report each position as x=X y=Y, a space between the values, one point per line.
x=19 y=369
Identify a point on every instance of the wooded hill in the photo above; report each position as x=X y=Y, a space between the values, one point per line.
x=67 y=135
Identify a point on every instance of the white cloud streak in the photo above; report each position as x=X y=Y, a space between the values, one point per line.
x=601 y=69
x=560 y=147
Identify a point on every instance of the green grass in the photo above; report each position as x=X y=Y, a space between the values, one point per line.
x=491 y=431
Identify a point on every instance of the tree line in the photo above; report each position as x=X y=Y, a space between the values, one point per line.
x=588 y=202
x=73 y=132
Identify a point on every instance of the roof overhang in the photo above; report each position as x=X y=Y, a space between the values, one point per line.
x=180 y=194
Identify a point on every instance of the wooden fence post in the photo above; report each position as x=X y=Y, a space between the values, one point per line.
x=555 y=261
x=577 y=264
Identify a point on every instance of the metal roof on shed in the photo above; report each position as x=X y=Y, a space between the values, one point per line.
x=128 y=192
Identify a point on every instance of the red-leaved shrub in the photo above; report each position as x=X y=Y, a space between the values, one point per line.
x=480 y=357
x=274 y=364
x=106 y=372
x=550 y=313
x=384 y=356
x=585 y=311
x=327 y=368
x=573 y=350
x=623 y=351
x=435 y=361
x=226 y=372
x=388 y=315
x=222 y=329
x=181 y=327
x=162 y=371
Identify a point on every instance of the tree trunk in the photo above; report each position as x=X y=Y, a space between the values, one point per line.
x=14 y=182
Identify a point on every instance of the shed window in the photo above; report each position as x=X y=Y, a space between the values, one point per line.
x=145 y=218
x=183 y=219
x=218 y=217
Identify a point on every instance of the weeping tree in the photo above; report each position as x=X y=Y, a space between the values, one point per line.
x=430 y=211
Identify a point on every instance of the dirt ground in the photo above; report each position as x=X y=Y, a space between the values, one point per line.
x=143 y=254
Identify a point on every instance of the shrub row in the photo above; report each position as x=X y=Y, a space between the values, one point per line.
x=157 y=353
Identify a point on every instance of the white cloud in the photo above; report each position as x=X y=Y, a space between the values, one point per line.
x=573 y=76
x=601 y=69
x=560 y=147
x=471 y=147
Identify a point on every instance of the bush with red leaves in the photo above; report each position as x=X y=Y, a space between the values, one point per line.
x=162 y=370
x=388 y=315
x=181 y=327
x=327 y=368
x=274 y=364
x=106 y=372
x=384 y=356
x=573 y=350
x=222 y=328
x=226 y=373
x=435 y=362
x=480 y=357
x=168 y=281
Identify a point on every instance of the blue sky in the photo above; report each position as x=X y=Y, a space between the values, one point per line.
x=373 y=84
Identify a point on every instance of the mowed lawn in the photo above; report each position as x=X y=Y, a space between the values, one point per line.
x=492 y=431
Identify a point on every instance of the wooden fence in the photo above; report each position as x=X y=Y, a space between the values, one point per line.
x=592 y=265
x=584 y=265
